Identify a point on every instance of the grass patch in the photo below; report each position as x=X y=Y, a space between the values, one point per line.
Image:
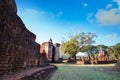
x=85 y=72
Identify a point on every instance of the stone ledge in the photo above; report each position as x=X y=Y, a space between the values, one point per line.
x=35 y=73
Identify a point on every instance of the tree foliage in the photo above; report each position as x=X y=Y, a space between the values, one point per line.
x=117 y=48
x=110 y=50
x=90 y=49
x=117 y=56
x=77 y=42
x=117 y=51
x=101 y=46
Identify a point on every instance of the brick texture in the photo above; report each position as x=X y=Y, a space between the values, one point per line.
x=18 y=49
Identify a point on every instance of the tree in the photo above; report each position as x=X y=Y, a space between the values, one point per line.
x=117 y=54
x=117 y=49
x=89 y=49
x=69 y=47
x=110 y=50
x=101 y=46
x=77 y=42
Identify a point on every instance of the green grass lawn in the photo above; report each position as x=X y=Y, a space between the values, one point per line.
x=85 y=72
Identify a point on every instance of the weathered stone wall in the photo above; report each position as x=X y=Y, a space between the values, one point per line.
x=51 y=50
x=36 y=73
x=18 y=48
x=57 y=52
x=46 y=48
x=117 y=65
x=43 y=74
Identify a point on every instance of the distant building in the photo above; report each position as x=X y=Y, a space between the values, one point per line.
x=51 y=50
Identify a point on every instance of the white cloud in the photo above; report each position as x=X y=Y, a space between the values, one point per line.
x=90 y=18
x=109 y=6
x=118 y=2
x=109 y=39
x=109 y=17
x=58 y=14
x=112 y=36
x=84 y=4
x=34 y=12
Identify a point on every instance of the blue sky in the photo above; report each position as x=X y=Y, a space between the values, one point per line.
x=55 y=18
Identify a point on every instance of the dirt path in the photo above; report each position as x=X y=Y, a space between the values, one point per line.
x=85 y=72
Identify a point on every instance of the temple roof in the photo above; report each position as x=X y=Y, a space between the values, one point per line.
x=50 y=40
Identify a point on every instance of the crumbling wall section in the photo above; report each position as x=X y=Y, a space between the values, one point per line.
x=18 y=48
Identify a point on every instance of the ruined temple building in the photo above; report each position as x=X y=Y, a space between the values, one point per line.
x=103 y=55
x=51 y=50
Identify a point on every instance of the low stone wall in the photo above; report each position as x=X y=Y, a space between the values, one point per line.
x=117 y=65
x=43 y=74
x=36 y=73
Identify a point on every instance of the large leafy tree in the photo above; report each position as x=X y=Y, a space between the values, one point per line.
x=90 y=49
x=68 y=47
x=77 y=42
x=117 y=55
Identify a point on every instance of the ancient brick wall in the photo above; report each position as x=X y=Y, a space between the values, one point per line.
x=57 y=52
x=36 y=73
x=51 y=50
x=43 y=74
x=18 y=48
